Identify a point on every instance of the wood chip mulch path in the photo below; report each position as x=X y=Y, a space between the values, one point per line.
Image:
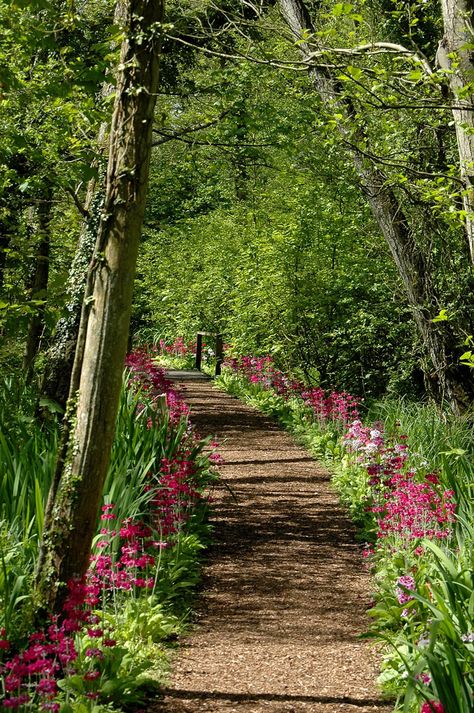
x=284 y=592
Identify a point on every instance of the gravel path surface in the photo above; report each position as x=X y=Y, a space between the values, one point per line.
x=285 y=591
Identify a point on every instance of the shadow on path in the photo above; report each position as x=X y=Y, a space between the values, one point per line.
x=284 y=591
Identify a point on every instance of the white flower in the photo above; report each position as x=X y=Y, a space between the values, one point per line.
x=371 y=448
x=424 y=639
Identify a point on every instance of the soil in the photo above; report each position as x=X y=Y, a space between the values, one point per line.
x=285 y=591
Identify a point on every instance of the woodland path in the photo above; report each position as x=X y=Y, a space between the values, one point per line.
x=284 y=592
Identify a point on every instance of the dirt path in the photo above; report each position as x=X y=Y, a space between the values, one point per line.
x=284 y=591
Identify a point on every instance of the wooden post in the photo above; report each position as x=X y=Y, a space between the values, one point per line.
x=219 y=354
x=199 y=350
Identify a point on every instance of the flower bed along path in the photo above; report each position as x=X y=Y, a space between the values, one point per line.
x=285 y=590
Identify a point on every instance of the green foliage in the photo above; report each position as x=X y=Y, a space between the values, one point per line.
x=435 y=645
x=54 y=60
x=429 y=635
x=15 y=581
x=270 y=243
x=443 y=441
x=27 y=457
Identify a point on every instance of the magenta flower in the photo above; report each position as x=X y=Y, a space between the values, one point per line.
x=432 y=707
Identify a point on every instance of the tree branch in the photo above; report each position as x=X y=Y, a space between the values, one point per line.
x=169 y=136
x=396 y=164
x=83 y=211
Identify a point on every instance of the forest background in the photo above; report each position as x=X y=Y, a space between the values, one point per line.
x=259 y=221
x=307 y=170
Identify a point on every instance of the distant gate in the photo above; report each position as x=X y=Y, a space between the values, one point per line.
x=219 y=350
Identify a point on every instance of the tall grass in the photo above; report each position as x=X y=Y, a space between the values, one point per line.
x=138 y=451
x=444 y=441
x=27 y=457
x=28 y=454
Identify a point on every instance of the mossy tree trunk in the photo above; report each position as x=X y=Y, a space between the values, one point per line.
x=58 y=369
x=74 y=500
x=455 y=56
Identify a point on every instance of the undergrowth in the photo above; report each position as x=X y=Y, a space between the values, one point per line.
x=108 y=649
x=406 y=478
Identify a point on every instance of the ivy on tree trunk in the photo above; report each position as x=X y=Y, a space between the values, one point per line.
x=74 y=500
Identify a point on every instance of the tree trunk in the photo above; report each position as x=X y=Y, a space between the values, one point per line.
x=74 y=500
x=448 y=380
x=38 y=286
x=58 y=369
x=455 y=56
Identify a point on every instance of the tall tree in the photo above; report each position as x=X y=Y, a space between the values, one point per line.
x=447 y=379
x=455 y=56
x=95 y=386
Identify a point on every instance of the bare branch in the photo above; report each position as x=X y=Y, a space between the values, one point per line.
x=74 y=195
x=171 y=135
x=395 y=164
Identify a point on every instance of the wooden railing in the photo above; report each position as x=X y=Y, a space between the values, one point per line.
x=219 y=350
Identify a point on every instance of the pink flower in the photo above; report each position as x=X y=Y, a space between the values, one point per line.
x=47 y=685
x=95 y=633
x=94 y=653
x=424 y=678
x=409 y=583
x=432 y=707
x=12 y=702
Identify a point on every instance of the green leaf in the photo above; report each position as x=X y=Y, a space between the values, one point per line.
x=52 y=406
x=454 y=452
x=415 y=75
x=354 y=72
x=443 y=316
x=341 y=8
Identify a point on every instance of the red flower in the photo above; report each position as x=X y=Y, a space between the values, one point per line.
x=432 y=707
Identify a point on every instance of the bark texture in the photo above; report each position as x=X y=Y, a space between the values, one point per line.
x=58 y=369
x=92 y=408
x=447 y=379
x=455 y=55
